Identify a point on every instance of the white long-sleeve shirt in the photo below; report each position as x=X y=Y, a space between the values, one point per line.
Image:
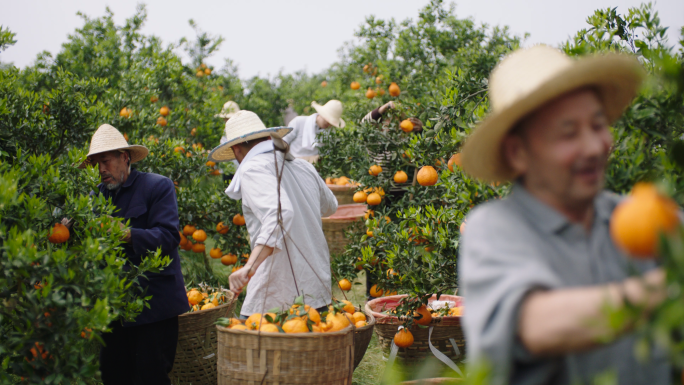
x=305 y=199
x=295 y=137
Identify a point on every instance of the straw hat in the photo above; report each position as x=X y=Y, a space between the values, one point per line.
x=529 y=78
x=108 y=138
x=331 y=112
x=243 y=127
x=228 y=111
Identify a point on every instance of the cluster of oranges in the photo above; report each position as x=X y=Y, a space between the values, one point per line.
x=205 y=297
x=341 y=181
x=199 y=236
x=393 y=88
x=376 y=292
x=302 y=319
x=370 y=195
x=164 y=112
x=203 y=70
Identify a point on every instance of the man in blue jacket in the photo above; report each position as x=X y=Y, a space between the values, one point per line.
x=142 y=351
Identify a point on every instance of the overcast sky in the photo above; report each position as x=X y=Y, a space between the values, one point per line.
x=265 y=36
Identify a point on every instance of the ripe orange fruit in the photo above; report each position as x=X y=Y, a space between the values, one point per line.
x=344 y=284
x=207 y=306
x=370 y=94
x=403 y=338
x=229 y=259
x=215 y=253
x=179 y=149
x=161 y=121
x=406 y=125
x=324 y=83
x=400 y=177
x=637 y=223
x=369 y=233
x=239 y=220
x=374 y=199
x=193 y=132
x=426 y=316
x=269 y=328
x=375 y=170
x=183 y=240
x=125 y=112
x=254 y=321
x=358 y=316
x=187 y=246
x=188 y=230
x=59 y=234
x=195 y=297
x=360 y=324
x=164 y=111
x=375 y=292
x=355 y=85
x=295 y=325
x=378 y=80
x=198 y=248
x=199 y=74
x=360 y=197
x=154 y=99
x=394 y=89
x=368 y=214
x=199 y=236
x=454 y=160
x=210 y=163
x=427 y=176
x=221 y=228
x=207 y=71
x=239 y=327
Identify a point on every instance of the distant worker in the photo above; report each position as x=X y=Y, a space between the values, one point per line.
x=302 y=139
x=230 y=108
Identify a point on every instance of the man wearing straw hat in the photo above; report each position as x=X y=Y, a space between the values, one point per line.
x=538 y=268
x=230 y=108
x=302 y=139
x=283 y=200
x=142 y=351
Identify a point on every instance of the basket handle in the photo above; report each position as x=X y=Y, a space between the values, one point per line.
x=441 y=356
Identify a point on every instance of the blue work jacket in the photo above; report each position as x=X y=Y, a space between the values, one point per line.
x=149 y=202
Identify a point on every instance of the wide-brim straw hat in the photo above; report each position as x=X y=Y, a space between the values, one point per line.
x=529 y=78
x=108 y=138
x=331 y=112
x=243 y=127
x=230 y=108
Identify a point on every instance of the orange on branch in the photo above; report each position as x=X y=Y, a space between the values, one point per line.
x=360 y=197
x=161 y=121
x=427 y=176
x=215 y=253
x=374 y=199
x=375 y=170
x=207 y=71
x=345 y=285
x=403 y=338
x=179 y=149
x=164 y=111
x=400 y=177
x=229 y=259
x=198 y=248
x=375 y=292
x=154 y=99
x=455 y=160
x=188 y=230
x=355 y=85
x=199 y=235
x=59 y=234
x=406 y=125
x=394 y=89
x=370 y=94
x=221 y=228
x=422 y=316
x=324 y=83
x=239 y=220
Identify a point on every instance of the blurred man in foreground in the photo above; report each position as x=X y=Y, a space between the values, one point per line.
x=539 y=269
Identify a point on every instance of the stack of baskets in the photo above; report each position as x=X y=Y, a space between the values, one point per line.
x=195 y=361
x=445 y=330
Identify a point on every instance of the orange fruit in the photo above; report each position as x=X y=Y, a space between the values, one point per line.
x=154 y=99
x=161 y=121
x=207 y=71
x=312 y=314
x=370 y=94
x=355 y=85
x=638 y=222
x=59 y=234
x=358 y=317
x=374 y=199
x=125 y=112
x=454 y=160
x=344 y=284
x=195 y=297
x=210 y=163
x=215 y=253
x=234 y=321
x=394 y=89
x=360 y=324
x=239 y=327
x=426 y=316
x=179 y=149
x=295 y=325
x=193 y=132
x=378 y=80
x=375 y=292
x=229 y=259
x=254 y=321
x=269 y=328
x=239 y=220
x=391 y=273
x=187 y=246
x=403 y=338
x=221 y=228
x=164 y=111
x=183 y=240
x=360 y=197
x=368 y=214
x=324 y=83
x=375 y=170
x=406 y=125
x=198 y=248
x=400 y=177
x=427 y=176
x=369 y=234
x=199 y=236
x=207 y=306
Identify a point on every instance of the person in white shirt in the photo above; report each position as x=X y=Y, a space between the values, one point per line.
x=230 y=108
x=302 y=139
x=287 y=260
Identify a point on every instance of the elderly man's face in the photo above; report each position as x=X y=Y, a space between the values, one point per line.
x=562 y=149
x=113 y=167
x=321 y=122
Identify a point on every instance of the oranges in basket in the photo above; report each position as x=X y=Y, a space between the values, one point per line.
x=206 y=297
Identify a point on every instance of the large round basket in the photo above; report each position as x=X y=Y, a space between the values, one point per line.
x=195 y=361
x=446 y=331
x=344 y=194
x=248 y=357
x=335 y=225
x=362 y=337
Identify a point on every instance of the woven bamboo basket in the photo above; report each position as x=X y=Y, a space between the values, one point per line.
x=344 y=194
x=362 y=337
x=248 y=357
x=195 y=361
x=444 y=330
x=335 y=225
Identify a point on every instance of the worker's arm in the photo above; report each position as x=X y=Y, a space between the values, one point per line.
x=238 y=280
x=570 y=320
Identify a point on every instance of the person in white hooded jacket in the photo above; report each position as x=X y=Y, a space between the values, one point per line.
x=302 y=139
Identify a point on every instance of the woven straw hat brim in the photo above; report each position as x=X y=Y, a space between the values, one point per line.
x=616 y=77
x=137 y=152
x=225 y=115
x=223 y=152
x=336 y=122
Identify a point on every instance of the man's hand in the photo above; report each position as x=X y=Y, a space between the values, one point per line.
x=67 y=222
x=384 y=108
x=238 y=280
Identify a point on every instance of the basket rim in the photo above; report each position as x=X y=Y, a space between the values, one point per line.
x=230 y=302
x=346 y=187
x=342 y=332
x=385 y=318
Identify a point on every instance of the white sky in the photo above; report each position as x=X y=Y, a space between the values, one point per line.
x=265 y=36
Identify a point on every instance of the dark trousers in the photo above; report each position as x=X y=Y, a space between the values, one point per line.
x=139 y=354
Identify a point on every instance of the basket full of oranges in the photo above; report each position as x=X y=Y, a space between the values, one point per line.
x=195 y=360
x=295 y=346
